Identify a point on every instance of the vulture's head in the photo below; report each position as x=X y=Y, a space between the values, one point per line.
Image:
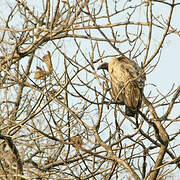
x=103 y=66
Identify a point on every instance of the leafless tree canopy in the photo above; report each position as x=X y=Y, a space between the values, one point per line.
x=57 y=117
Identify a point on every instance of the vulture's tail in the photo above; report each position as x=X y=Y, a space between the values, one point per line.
x=130 y=112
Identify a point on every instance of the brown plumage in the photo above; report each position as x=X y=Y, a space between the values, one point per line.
x=127 y=82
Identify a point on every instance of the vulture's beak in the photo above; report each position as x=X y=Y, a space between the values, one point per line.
x=103 y=66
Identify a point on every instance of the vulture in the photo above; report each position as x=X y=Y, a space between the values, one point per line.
x=127 y=83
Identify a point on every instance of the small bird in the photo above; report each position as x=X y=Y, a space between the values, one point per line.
x=127 y=83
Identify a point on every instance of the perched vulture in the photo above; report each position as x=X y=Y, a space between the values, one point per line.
x=127 y=82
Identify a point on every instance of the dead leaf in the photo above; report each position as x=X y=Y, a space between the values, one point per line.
x=40 y=74
x=77 y=142
x=47 y=60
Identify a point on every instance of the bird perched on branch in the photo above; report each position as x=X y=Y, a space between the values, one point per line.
x=127 y=83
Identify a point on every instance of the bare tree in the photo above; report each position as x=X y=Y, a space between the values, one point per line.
x=58 y=119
